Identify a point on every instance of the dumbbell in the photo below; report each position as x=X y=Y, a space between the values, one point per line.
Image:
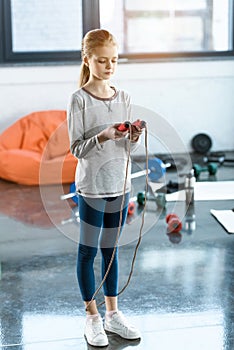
x=213 y=159
x=141 y=196
x=156 y=170
x=174 y=223
x=219 y=158
x=159 y=199
x=211 y=168
x=131 y=208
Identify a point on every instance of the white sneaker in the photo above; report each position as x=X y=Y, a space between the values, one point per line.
x=118 y=324
x=94 y=332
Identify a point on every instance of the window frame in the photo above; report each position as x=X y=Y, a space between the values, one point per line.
x=91 y=20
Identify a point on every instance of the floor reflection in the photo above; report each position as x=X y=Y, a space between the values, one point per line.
x=192 y=330
x=24 y=204
x=184 y=302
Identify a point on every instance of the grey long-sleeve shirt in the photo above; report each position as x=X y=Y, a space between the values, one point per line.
x=101 y=168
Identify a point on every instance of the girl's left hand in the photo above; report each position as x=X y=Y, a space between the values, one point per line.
x=135 y=133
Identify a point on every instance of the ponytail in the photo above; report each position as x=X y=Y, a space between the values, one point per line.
x=84 y=74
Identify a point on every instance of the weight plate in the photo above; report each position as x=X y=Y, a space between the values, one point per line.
x=201 y=143
x=156 y=169
x=73 y=190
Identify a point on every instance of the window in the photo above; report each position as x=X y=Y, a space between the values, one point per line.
x=41 y=30
x=38 y=26
x=147 y=28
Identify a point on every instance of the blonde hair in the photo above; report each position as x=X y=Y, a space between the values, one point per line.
x=92 y=39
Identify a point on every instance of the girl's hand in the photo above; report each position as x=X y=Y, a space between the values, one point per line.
x=111 y=133
x=136 y=132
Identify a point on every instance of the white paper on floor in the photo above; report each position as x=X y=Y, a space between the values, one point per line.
x=225 y=218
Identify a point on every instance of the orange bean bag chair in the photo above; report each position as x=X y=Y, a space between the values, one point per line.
x=35 y=150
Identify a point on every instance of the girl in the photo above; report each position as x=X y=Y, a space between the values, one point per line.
x=95 y=111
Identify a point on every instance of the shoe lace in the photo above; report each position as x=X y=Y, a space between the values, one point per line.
x=122 y=321
x=97 y=327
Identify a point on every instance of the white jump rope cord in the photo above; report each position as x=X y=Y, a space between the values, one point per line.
x=120 y=224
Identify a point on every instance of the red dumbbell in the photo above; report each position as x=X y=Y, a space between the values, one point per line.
x=131 y=208
x=174 y=223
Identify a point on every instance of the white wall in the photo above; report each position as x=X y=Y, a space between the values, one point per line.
x=191 y=97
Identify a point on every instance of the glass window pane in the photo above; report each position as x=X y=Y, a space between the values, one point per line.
x=169 y=25
x=164 y=4
x=112 y=19
x=165 y=37
x=54 y=25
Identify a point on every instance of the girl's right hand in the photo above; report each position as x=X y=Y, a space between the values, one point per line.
x=111 y=133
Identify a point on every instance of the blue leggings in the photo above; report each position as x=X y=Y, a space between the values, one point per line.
x=99 y=222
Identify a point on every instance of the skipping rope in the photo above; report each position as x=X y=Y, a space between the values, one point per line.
x=120 y=222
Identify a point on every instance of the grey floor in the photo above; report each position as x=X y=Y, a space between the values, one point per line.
x=181 y=295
